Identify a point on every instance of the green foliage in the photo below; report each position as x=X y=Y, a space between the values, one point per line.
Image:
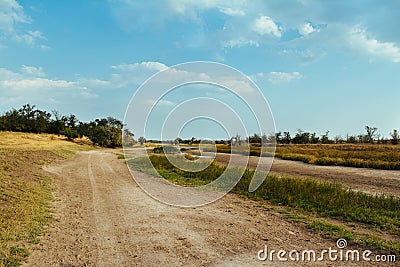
x=70 y=133
x=165 y=149
x=395 y=137
x=103 y=132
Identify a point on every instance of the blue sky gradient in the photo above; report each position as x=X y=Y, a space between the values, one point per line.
x=322 y=65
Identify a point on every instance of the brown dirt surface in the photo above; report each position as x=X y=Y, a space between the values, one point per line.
x=105 y=219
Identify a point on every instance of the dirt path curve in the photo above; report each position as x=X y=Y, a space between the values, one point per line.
x=105 y=219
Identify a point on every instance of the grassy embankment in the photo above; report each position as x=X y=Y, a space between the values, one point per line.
x=379 y=214
x=386 y=157
x=25 y=190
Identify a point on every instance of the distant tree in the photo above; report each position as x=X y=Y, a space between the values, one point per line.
x=314 y=139
x=394 y=137
x=278 y=137
x=351 y=139
x=286 y=138
x=371 y=134
x=338 y=139
x=71 y=121
x=142 y=140
x=301 y=137
x=127 y=137
x=255 y=139
x=70 y=133
x=236 y=140
x=325 y=138
x=178 y=141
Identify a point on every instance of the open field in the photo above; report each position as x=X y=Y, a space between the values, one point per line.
x=94 y=214
x=386 y=157
x=26 y=190
x=105 y=219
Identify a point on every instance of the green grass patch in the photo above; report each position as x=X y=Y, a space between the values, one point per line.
x=165 y=149
x=24 y=212
x=330 y=200
x=363 y=239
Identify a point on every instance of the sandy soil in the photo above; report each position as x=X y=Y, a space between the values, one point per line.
x=105 y=219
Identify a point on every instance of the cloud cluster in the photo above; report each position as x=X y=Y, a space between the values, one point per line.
x=359 y=39
x=309 y=29
x=12 y=19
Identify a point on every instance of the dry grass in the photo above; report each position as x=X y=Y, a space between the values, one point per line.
x=375 y=156
x=352 y=155
x=25 y=190
x=43 y=142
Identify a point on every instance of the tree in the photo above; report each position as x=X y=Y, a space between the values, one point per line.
x=371 y=133
x=127 y=137
x=142 y=140
x=71 y=134
x=395 y=137
x=286 y=138
x=325 y=138
x=314 y=139
x=278 y=137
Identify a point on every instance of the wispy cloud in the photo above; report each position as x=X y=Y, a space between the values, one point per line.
x=281 y=77
x=359 y=39
x=11 y=14
x=33 y=71
x=12 y=19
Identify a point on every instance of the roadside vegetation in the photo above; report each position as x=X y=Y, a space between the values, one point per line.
x=328 y=200
x=25 y=190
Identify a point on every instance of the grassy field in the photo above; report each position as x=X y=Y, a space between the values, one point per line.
x=25 y=191
x=386 y=157
x=327 y=200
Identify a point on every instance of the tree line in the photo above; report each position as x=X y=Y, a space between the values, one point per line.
x=109 y=132
x=371 y=136
x=105 y=132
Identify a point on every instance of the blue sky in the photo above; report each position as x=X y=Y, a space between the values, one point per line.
x=322 y=65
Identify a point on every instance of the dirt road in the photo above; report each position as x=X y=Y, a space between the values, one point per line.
x=105 y=219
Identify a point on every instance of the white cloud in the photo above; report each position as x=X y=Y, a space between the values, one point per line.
x=33 y=71
x=157 y=66
x=161 y=102
x=12 y=16
x=11 y=13
x=279 y=77
x=232 y=12
x=265 y=25
x=307 y=29
x=36 y=83
x=309 y=55
x=240 y=42
x=29 y=85
x=359 y=39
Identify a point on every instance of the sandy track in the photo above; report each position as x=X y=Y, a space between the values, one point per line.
x=105 y=219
